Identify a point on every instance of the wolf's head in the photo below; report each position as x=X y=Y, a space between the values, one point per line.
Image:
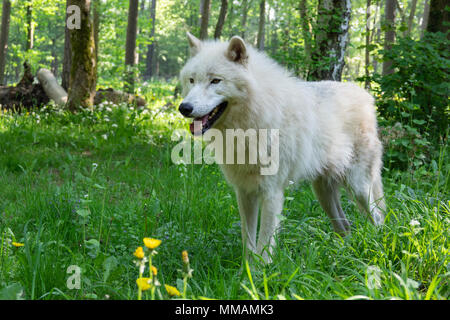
x=213 y=81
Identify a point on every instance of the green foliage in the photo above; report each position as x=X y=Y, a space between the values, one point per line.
x=413 y=100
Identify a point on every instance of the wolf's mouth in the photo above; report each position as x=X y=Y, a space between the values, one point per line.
x=208 y=120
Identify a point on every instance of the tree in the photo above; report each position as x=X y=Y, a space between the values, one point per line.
x=83 y=72
x=439 y=16
x=205 y=8
x=151 y=47
x=221 y=20
x=245 y=5
x=67 y=60
x=389 y=35
x=130 y=50
x=30 y=26
x=426 y=15
x=306 y=31
x=367 y=51
x=331 y=39
x=262 y=25
x=412 y=13
x=4 y=34
x=96 y=15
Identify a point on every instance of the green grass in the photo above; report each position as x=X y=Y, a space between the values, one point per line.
x=85 y=189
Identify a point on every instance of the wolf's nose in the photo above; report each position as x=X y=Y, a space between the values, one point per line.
x=186 y=109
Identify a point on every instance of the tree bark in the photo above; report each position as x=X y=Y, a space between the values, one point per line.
x=439 y=17
x=389 y=36
x=306 y=32
x=30 y=27
x=83 y=73
x=221 y=20
x=149 y=70
x=411 y=17
x=96 y=15
x=262 y=25
x=244 y=17
x=130 y=51
x=67 y=60
x=4 y=34
x=426 y=15
x=205 y=9
x=332 y=38
x=367 y=51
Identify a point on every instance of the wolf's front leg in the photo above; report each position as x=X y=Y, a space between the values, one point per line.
x=248 y=210
x=272 y=205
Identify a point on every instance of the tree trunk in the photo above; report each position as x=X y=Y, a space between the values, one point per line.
x=149 y=70
x=83 y=73
x=30 y=27
x=262 y=25
x=67 y=61
x=130 y=51
x=367 y=56
x=221 y=21
x=244 y=17
x=439 y=17
x=411 y=17
x=306 y=32
x=205 y=9
x=96 y=26
x=389 y=36
x=426 y=15
x=331 y=39
x=4 y=34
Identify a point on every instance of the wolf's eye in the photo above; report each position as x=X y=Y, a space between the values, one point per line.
x=216 y=81
x=191 y=80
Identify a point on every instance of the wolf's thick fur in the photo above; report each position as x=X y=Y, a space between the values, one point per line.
x=327 y=134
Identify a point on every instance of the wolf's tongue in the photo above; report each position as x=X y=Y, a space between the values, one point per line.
x=199 y=128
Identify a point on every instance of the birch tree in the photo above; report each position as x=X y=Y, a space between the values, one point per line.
x=332 y=37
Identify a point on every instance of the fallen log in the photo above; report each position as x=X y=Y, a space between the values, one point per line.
x=53 y=90
x=117 y=97
x=59 y=95
x=26 y=95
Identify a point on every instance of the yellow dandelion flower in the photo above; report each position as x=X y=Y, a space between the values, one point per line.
x=154 y=270
x=152 y=243
x=139 y=253
x=143 y=283
x=172 y=291
x=17 y=244
x=185 y=257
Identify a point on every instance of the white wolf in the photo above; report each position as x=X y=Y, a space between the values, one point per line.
x=327 y=134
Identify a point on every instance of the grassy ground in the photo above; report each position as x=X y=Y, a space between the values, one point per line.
x=85 y=190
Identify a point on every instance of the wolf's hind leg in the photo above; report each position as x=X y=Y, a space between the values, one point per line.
x=327 y=192
x=370 y=200
x=248 y=210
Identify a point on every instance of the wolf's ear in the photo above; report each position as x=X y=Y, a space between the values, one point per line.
x=194 y=44
x=237 y=50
